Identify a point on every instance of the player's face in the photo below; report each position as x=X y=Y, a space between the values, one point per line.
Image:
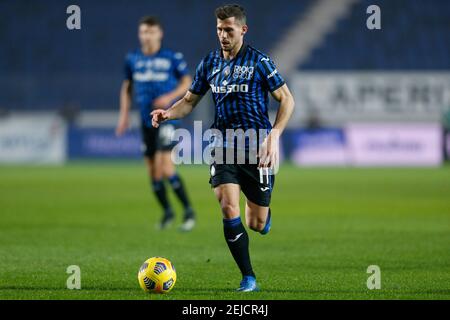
x=230 y=33
x=150 y=36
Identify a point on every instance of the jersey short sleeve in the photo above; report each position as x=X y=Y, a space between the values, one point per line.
x=270 y=77
x=128 y=71
x=180 y=65
x=200 y=84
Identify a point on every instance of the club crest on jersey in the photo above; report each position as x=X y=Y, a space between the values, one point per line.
x=226 y=71
x=243 y=72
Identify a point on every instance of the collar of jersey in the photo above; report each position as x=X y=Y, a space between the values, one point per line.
x=150 y=55
x=240 y=52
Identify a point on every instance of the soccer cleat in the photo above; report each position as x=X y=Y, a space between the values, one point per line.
x=188 y=225
x=189 y=213
x=268 y=224
x=188 y=221
x=248 y=284
x=167 y=220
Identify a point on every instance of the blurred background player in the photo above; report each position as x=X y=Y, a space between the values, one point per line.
x=157 y=76
x=239 y=65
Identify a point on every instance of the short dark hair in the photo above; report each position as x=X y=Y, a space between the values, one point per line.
x=150 y=21
x=231 y=10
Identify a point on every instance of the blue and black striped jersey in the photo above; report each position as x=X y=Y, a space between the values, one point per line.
x=239 y=86
x=152 y=76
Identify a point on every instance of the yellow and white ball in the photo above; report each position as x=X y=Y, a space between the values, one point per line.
x=157 y=275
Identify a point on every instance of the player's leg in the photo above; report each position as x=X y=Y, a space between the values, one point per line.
x=235 y=234
x=155 y=172
x=257 y=185
x=153 y=163
x=258 y=218
x=170 y=173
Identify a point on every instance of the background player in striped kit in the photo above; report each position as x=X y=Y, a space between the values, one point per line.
x=240 y=78
x=157 y=76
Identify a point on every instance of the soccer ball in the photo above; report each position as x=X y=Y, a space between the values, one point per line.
x=157 y=275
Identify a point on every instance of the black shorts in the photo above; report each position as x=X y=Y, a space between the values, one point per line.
x=256 y=183
x=157 y=139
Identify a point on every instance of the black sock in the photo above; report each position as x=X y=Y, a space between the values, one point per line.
x=160 y=191
x=178 y=187
x=237 y=239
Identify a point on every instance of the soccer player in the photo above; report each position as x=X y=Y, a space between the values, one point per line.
x=158 y=77
x=241 y=78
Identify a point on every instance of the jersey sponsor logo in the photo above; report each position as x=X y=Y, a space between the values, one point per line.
x=274 y=72
x=229 y=88
x=243 y=72
x=150 y=76
x=155 y=64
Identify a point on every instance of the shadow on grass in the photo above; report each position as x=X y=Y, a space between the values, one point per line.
x=200 y=291
x=65 y=289
x=211 y=292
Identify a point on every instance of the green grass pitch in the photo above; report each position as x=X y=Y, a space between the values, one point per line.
x=329 y=225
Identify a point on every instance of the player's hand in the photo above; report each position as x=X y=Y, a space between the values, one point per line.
x=269 y=151
x=162 y=102
x=158 y=116
x=122 y=125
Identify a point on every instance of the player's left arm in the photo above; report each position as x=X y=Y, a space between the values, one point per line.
x=269 y=152
x=166 y=99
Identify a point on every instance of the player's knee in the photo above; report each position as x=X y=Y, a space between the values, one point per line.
x=168 y=170
x=156 y=173
x=169 y=173
x=229 y=210
x=166 y=174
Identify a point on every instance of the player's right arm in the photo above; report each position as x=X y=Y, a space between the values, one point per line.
x=179 y=110
x=125 y=98
x=125 y=105
x=185 y=105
